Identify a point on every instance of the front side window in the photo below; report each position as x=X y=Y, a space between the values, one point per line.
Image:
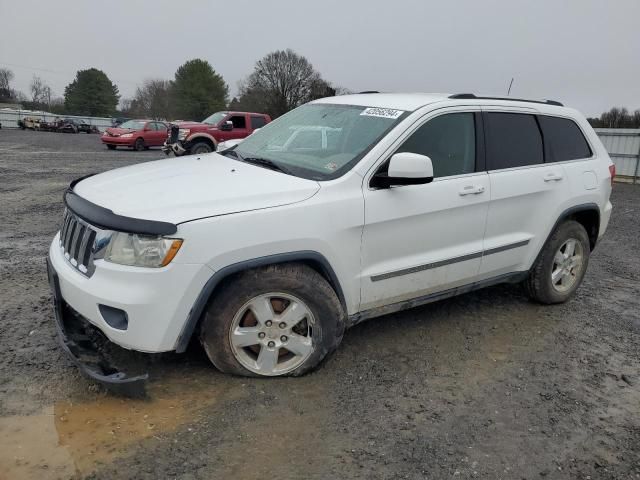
x=449 y=141
x=563 y=138
x=239 y=121
x=513 y=140
x=161 y=127
x=320 y=141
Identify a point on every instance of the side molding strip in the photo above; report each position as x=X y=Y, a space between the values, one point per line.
x=442 y=263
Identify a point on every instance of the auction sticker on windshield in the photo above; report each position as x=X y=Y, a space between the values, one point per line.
x=382 y=112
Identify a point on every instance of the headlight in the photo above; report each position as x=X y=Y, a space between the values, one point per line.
x=183 y=133
x=141 y=250
x=127 y=135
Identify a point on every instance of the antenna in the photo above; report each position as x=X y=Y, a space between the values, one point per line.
x=509 y=90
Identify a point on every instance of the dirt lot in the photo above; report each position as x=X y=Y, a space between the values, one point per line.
x=487 y=385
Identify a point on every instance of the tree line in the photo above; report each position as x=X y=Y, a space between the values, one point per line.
x=617 y=117
x=279 y=82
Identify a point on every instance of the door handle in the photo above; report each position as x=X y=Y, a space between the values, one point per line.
x=471 y=190
x=552 y=177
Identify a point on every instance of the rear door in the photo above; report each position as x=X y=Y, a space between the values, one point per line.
x=159 y=133
x=526 y=192
x=420 y=239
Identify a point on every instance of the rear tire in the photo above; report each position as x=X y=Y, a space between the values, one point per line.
x=561 y=265
x=280 y=320
x=200 y=148
x=139 y=145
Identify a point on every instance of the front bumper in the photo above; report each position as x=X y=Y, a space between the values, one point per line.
x=117 y=141
x=157 y=301
x=176 y=147
x=75 y=342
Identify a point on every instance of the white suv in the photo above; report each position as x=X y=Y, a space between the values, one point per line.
x=267 y=253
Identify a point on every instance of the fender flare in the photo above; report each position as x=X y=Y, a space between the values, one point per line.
x=569 y=212
x=199 y=305
x=199 y=135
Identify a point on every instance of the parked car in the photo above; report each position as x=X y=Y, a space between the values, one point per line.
x=73 y=125
x=137 y=134
x=30 y=123
x=266 y=252
x=203 y=137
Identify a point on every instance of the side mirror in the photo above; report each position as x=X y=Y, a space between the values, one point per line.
x=227 y=126
x=405 y=168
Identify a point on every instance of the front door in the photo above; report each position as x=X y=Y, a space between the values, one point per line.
x=421 y=239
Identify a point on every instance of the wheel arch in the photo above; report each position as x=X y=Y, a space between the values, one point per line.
x=312 y=259
x=204 y=137
x=587 y=214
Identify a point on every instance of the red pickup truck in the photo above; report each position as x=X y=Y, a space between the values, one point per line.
x=203 y=137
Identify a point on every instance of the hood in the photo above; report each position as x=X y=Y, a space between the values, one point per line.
x=116 y=132
x=180 y=189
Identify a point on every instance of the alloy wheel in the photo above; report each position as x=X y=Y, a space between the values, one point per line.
x=271 y=334
x=567 y=265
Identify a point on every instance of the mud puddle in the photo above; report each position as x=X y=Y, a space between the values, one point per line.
x=71 y=439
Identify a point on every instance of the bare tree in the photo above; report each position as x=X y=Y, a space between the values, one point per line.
x=6 y=76
x=281 y=81
x=40 y=91
x=152 y=99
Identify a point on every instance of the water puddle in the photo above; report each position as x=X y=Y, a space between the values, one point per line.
x=69 y=438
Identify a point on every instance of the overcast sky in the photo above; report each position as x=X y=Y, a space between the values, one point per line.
x=582 y=52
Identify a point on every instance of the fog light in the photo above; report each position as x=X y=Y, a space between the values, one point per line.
x=114 y=317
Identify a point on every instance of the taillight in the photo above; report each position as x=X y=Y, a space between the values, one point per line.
x=612 y=172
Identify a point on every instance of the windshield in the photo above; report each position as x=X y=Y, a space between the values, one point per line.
x=215 y=118
x=320 y=141
x=132 y=125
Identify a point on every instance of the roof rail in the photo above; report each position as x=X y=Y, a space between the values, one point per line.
x=468 y=96
x=370 y=91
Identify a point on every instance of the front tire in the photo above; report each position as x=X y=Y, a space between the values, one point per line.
x=200 y=148
x=111 y=147
x=561 y=266
x=280 y=320
x=139 y=145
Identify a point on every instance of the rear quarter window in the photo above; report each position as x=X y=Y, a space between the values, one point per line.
x=563 y=139
x=513 y=140
x=258 y=122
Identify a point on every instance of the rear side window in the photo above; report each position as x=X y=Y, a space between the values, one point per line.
x=513 y=140
x=258 y=122
x=563 y=138
x=449 y=140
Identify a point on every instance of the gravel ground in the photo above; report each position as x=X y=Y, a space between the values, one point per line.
x=486 y=385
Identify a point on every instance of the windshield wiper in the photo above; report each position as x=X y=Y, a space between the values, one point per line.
x=263 y=162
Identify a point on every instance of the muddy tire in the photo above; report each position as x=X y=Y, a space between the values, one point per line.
x=200 y=148
x=280 y=320
x=561 y=266
x=111 y=147
x=139 y=145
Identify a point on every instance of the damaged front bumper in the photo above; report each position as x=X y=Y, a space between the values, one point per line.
x=81 y=349
x=176 y=148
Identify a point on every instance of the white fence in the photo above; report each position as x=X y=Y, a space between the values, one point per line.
x=623 y=145
x=9 y=118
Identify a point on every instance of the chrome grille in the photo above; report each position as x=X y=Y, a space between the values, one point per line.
x=77 y=239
